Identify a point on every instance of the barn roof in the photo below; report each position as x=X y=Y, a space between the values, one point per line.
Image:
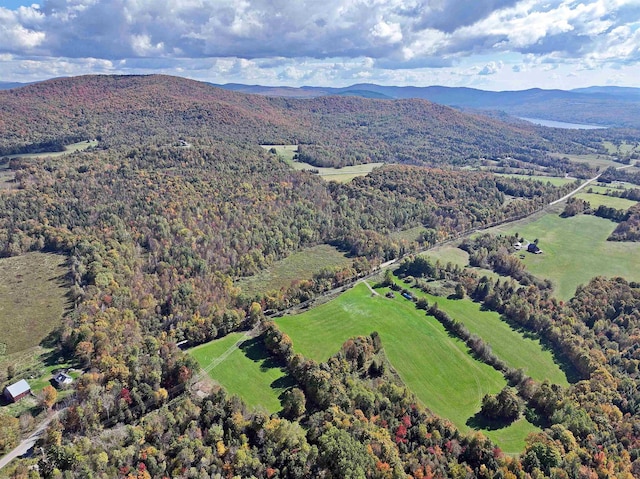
x=18 y=388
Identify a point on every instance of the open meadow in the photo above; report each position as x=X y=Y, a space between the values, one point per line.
x=575 y=250
x=449 y=253
x=597 y=199
x=437 y=367
x=602 y=162
x=248 y=371
x=340 y=175
x=33 y=298
x=517 y=349
x=298 y=266
x=79 y=146
x=554 y=180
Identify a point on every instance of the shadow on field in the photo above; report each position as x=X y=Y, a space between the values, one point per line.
x=478 y=421
x=255 y=350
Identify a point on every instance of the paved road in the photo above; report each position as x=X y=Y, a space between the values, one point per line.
x=583 y=185
x=575 y=191
x=27 y=444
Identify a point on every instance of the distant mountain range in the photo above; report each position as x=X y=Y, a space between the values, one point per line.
x=596 y=105
x=5 y=85
x=606 y=106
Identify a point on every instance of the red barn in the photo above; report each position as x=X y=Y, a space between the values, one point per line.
x=17 y=391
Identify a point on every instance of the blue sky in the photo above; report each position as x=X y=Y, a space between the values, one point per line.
x=490 y=44
x=12 y=4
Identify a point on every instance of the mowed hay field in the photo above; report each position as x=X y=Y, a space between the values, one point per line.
x=452 y=254
x=513 y=347
x=32 y=298
x=575 y=250
x=596 y=200
x=247 y=371
x=298 y=266
x=554 y=180
x=340 y=175
x=438 y=368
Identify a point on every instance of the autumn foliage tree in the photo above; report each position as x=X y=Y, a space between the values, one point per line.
x=47 y=397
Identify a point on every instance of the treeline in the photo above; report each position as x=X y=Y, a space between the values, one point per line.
x=596 y=333
x=613 y=174
x=497 y=253
x=349 y=417
x=628 y=228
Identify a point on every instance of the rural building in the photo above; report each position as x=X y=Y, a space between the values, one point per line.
x=533 y=248
x=62 y=379
x=517 y=245
x=17 y=391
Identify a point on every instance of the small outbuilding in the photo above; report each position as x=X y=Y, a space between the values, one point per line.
x=533 y=248
x=17 y=391
x=62 y=379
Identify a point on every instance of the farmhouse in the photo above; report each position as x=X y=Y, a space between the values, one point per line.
x=17 y=391
x=62 y=379
x=533 y=248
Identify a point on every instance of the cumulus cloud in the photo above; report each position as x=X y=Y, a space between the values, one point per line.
x=289 y=39
x=491 y=68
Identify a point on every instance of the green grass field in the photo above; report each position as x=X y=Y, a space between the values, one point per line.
x=623 y=149
x=513 y=347
x=434 y=365
x=32 y=298
x=247 y=372
x=300 y=265
x=554 y=180
x=601 y=162
x=81 y=145
x=409 y=235
x=596 y=200
x=575 y=250
x=341 y=175
x=450 y=253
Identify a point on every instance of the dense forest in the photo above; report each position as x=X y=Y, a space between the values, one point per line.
x=336 y=131
x=178 y=201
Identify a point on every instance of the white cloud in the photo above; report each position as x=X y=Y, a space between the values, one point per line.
x=491 y=68
x=304 y=41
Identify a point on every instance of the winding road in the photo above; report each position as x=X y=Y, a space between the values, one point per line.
x=27 y=444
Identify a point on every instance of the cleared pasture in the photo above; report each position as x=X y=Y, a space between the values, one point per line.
x=248 y=372
x=601 y=162
x=596 y=200
x=437 y=367
x=622 y=148
x=409 y=235
x=575 y=250
x=81 y=145
x=341 y=175
x=33 y=298
x=451 y=253
x=298 y=266
x=554 y=180
x=517 y=349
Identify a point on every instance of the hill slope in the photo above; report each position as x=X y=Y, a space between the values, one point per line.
x=130 y=109
x=607 y=106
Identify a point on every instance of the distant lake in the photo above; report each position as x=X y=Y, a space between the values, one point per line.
x=561 y=124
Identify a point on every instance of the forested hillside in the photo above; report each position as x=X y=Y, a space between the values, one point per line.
x=178 y=200
x=334 y=131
